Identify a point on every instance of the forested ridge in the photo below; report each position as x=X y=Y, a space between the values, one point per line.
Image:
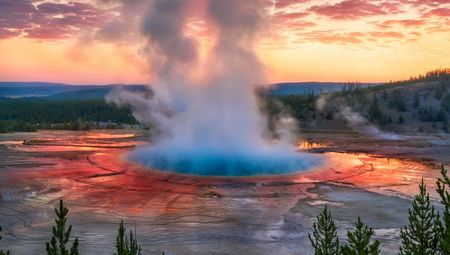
x=419 y=104
x=33 y=114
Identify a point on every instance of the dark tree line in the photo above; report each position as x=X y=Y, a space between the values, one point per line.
x=426 y=234
x=32 y=114
x=126 y=244
x=438 y=74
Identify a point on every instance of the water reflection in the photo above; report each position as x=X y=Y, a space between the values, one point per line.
x=102 y=168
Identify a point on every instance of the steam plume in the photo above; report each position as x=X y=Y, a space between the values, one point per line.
x=360 y=124
x=211 y=125
x=355 y=120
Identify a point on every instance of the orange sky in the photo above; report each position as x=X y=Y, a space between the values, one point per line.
x=99 y=41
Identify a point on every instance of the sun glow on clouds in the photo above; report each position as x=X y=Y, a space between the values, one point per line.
x=336 y=40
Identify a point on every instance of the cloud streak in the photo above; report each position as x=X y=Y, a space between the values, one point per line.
x=48 y=20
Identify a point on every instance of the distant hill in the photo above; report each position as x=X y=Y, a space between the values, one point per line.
x=97 y=92
x=44 y=90
x=8 y=84
x=420 y=104
x=300 y=88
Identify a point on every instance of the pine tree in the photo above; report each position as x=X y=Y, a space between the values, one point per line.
x=421 y=236
x=375 y=111
x=1 y=251
x=61 y=234
x=416 y=100
x=359 y=242
x=125 y=246
x=443 y=185
x=325 y=240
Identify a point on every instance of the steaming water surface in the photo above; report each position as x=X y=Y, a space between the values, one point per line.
x=225 y=162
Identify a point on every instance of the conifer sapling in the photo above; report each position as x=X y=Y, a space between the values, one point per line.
x=61 y=234
x=359 y=241
x=422 y=235
x=324 y=239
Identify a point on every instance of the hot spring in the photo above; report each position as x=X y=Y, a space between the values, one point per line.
x=222 y=162
x=204 y=108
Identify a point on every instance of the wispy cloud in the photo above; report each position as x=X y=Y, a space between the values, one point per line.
x=48 y=20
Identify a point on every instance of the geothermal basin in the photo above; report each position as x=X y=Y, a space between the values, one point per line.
x=179 y=213
x=213 y=161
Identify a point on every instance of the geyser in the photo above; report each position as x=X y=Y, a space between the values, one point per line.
x=206 y=110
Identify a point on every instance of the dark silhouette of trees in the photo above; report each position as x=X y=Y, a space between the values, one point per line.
x=374 y=110
x=324 y=238
x=443 y=186
x=446 y=102
x=29 y=115
x=416 y=103
x=61 y=234
x=422 y=235
x=126 y=245
x=2 y=252
x=397 y=101
x=359 y=241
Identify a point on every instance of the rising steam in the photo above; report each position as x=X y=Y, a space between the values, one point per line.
x=355 y=120
x=210 y=125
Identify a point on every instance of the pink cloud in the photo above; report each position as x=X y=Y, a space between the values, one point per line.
x=48 y=20
x=438 y=12
x=431 y=3
x=404 y=22
x=354 y=9
x=386 y=34
x=300 y=25
x=290 y=16
x=287 y=3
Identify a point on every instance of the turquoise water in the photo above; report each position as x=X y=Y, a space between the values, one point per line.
x=226 y=163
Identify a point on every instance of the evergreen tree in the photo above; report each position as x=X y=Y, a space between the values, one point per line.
x=125 y=246
x=445 y=127
x=390 y=119
x=385 y=95
x=446 y=102
x=443 y=185
x=416 y=100
x=1 y=251
x=359 y=242
x=61 y=234
x=422 y=235
x=325 y=240
x=375 y=111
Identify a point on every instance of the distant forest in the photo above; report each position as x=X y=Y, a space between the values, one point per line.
x=419 y=104
x=27 y=115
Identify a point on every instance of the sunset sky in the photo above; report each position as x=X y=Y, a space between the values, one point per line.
x=100 y=41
